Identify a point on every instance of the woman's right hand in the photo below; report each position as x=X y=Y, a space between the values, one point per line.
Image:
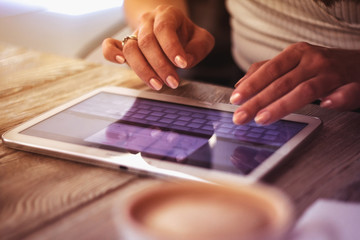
x=167 y=39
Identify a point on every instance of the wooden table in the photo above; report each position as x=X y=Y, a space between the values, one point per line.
x=48 y=198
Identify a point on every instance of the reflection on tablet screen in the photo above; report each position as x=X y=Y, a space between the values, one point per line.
x=171 y=132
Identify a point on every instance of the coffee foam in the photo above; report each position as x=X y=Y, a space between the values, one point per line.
x=206 y=211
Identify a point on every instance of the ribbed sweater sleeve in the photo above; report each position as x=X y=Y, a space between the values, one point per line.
x=263 y=28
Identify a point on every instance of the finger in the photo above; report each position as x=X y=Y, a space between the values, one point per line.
x=112 y=50
x=253 y=68
x=303 y=94
x=154 y=55
x=275 y=91
x=140 y=66
x=344 y=98
x=168 y=25
x=267 y=73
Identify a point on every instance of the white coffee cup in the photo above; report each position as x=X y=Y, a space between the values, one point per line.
x=207 y=212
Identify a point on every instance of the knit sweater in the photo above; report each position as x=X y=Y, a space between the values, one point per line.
x=263 y=28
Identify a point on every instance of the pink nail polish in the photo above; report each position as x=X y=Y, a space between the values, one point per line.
x=180 y=61
x=240 y=117
x=326 y=104
x=172 y=82
x=120 y=59
x=263 y=118
x=155 y=84
x=235 y=98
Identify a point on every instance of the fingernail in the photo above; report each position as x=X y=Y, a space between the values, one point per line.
x=235 y=98
x=120 y=59
x=172 y=82
x=240 y=117
x=326 y=104
x=263 y=118
x=155 y=84
x=180 y=61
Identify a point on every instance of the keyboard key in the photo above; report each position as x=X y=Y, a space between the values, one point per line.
x=240 y=133
x=272 y=132
x=253 y=135
x=159 y=114
x=223 y=130
x=152 y=118
x=180 y=123
x=198 y=120
x=208 y=127
x=143 y=111
x=213 y=118
x=166 y=120
x=258 y=130
x=138 y=115
x=199 y=115
x=269 y=137
x=185 y=118
x=171 y=116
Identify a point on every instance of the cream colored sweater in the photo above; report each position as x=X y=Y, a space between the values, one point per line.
x=262 y=28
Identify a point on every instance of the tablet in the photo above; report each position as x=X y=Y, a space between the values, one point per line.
x=153 y=133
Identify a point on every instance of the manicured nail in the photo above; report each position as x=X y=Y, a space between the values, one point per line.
x=180 y=61
x=235 y=98
x=240 y=117
x=263 y=118
x=155 y=84
x=172 y=82
x=120 y=59
x=326 y=104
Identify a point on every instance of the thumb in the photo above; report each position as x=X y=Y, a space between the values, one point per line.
x=346 y=97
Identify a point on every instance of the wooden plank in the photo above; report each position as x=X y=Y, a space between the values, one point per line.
x=30 y=102
x=314 y=170
x=36 y=190
x=98 y=219
x=32 y=69
x=7 y=51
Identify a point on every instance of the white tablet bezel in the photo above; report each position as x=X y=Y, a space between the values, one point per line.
x=107 y=158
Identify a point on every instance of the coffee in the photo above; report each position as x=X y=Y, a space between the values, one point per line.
x=205 y=211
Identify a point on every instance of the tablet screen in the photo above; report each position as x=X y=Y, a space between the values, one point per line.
x=200 y=137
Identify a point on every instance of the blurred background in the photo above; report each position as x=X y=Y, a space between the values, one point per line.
x=76 y=28
x=71 y=28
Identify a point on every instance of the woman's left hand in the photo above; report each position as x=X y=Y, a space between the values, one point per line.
x=299 y=75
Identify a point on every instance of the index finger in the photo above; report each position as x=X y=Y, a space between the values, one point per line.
x=112 y=50
x=166 y=30
x=266 y=74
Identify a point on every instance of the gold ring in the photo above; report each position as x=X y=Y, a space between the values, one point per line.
x=131 y=37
